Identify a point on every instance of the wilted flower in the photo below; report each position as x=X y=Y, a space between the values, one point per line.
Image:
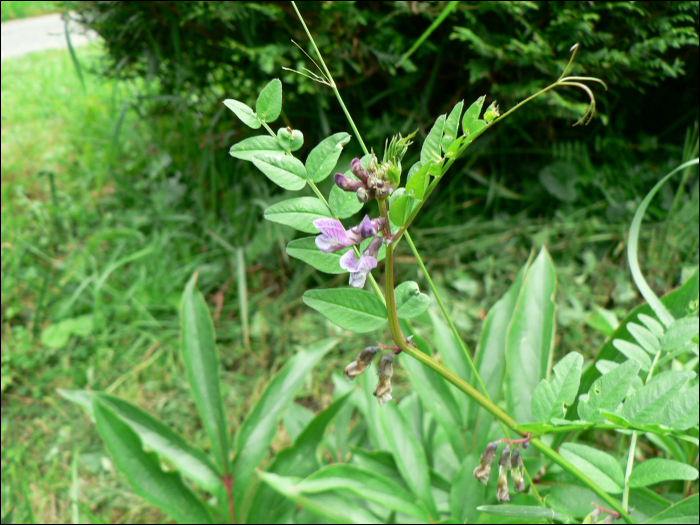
x=334 y=237
x=482 y=471
x=593 y=517
x=386 y=370
x=360 y=364
x=503 y=466
x=516 y=464
x=359 y=268
x=609 y=519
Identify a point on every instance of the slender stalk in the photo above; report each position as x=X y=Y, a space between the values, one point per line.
x=436 y=23
x=227 y=479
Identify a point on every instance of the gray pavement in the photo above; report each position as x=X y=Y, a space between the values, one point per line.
x=39 y=33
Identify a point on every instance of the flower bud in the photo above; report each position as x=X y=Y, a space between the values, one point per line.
x=360 y=364
x=516 y=464
x=592 y=517
x=358 y=170
x=348 y=184
x=502 y=485
x=366 y=195
x=386 y=370
x=482 y=471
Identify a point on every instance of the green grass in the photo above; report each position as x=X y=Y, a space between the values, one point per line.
x=26 y=9
x=106 y=214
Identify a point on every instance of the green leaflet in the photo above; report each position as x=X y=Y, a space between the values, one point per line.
x=607 y=392
x=647 y=340
x=644 y=406
x=633 y=351
x=601 y=467
x=324 y=157
x=400 y=210
x=472 y=114
x=243 y=112
x=550 y=400
x=269 y=103
x=352 y=309
x=679 y=333
x=430 y=152
x=306 y=250
x=202 y=363
x=163 y=489
x=685 y=511
x=299 y=213
x=290 y=141
x=261 y=146
x=656 y=470
x=683 y=413
x=284 y=170
x=452 y=126
x=410 y=302
x=344 y=204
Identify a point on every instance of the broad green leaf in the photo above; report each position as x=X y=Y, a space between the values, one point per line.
x=526 y=512
x=431 y=147
x=647 y=340
x=344 y=204
x=367 y=485
x=295 y=419
x=418 y=183
x=466 y=494
x=644 y=406
x=324 y=157
x=269 y=103
x=409 y=456
x=331 y=506
x=306 y=250
x=602 y=468
x=352 y=309
x=676 y=302
x=633 y=351
x=252 y=146
x=299 y=213
x=400 y=210
x=452 y=126
x=412 y=171
x=203 y=368
x=683 y=413
x=284 y=170
x=653 y=325
x=472 y=113
x=163 y=440
x=259 y=428
x=410 y=302
x=437 y=397
x=163 y=489
x=290 y=140
x=679 y=333
x=530 y=336
x=685 y=511
x=268 y=505
x=490 y=355
x=551 y=399
x=607 y=392
x=656 y=470
x=243 y=112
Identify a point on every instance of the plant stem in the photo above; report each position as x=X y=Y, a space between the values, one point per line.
x=227 y=479
x=436 y=23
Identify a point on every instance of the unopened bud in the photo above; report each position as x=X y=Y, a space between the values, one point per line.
x=360 y=364
x=592 y=517
x=483 y=469
x=348 y=184
x=358 y=170
x=516 y=472
x=386 y=370
x=365 y=195
x=502 y=485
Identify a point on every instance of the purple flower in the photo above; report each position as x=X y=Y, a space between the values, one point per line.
x=334 y=237
x=358 y=170
x=359 y=268
x=348 y=184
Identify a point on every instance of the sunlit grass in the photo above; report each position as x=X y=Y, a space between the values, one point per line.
x=25 y=9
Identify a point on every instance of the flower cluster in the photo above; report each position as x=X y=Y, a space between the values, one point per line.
x=509 y=461
x=386 y=370
x=375 y=182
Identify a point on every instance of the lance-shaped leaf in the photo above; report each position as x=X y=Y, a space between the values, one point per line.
x=259 y=428
x=683 y=413
x=243 y=112
x=472 y=114
x=256 y=146
x=431 y=147
x=324 y=157
x=268 y=505
x=656 y=470
x=644 y=406
x=550 y=400
x=607 y=392
x=452 y=126
x=633 y=351
x=352 y=309
x=334 y=507
x=686 y=511
x=410 y=302
x=646 y=339
x=530 y=336
x=284 y=170
x=269 y=104
x=601 y=467
x=680 y=332
x=299 y=213
x=409 y=456
x=202 y=364
x=163 y=489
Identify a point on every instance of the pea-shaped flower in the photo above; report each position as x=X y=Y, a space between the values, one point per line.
x=360 y=268
x=334 y=237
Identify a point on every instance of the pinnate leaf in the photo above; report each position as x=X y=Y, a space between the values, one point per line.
x=431 y=147
x=552 y=399
x=607 y=392
x=601 y=467
x=633 y=351
x=284 y=170
x=644 y=406
x=656 y=470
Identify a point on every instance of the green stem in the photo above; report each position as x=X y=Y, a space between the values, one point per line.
x=331 y=81
x=436 y=23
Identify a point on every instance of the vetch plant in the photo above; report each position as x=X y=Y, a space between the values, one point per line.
x=421 y=460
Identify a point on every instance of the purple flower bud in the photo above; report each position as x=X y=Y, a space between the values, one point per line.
x=347 y=184
x=360 y=364
x=502 y=485
x=358 y=170
x=483 y=469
